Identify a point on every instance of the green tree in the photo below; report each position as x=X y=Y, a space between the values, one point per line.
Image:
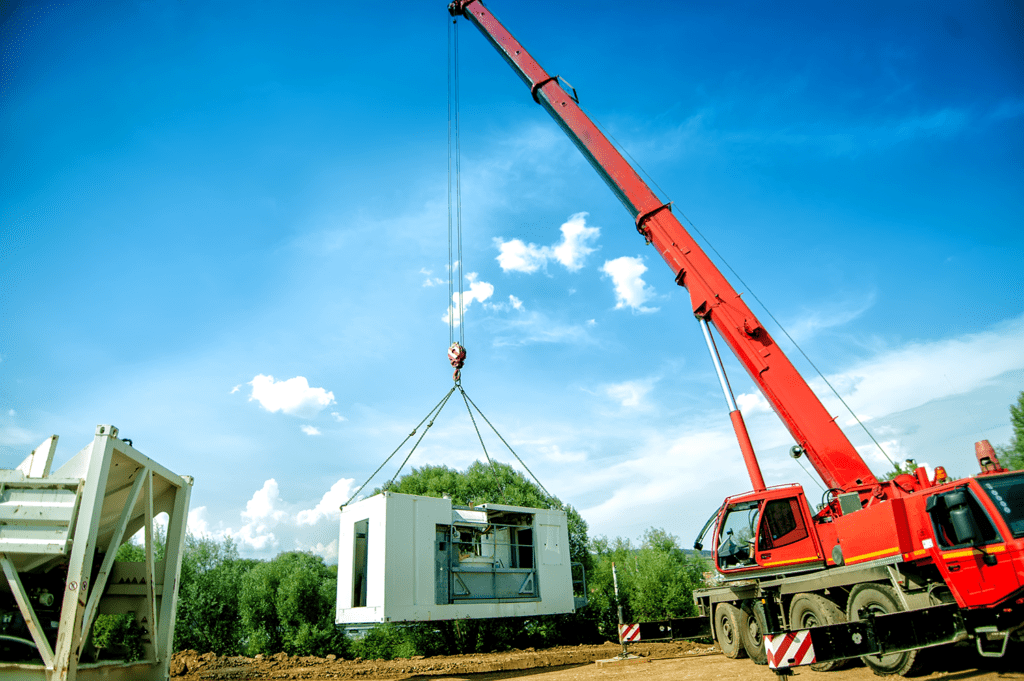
x=288 y=604
x=656 y=579
x=208 y=597
x=1012 y=455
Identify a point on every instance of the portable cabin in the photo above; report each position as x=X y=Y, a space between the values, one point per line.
x=406 y=558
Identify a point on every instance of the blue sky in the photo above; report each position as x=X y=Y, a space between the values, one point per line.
x=224 y=227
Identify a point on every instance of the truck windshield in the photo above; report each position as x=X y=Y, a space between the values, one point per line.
x=1007 y=493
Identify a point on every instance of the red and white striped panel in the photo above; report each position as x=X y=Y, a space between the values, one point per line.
x=629 y=632
x=791 y=649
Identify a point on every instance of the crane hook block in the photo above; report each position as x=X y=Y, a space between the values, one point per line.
x=457 y=357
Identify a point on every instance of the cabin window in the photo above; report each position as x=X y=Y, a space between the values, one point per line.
x=781 y=525
x=361 y=531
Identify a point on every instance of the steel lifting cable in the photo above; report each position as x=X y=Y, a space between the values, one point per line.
x=744 y=284
x=432 y=415
x=507 y=445
x=456 y=306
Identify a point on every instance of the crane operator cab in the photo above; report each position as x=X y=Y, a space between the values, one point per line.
x=769 y=529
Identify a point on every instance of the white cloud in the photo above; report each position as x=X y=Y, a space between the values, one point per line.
x=478 y=290
x=810 y=322
x=512 y=300
x=338 y=417
x=575 y=239
x=270 y=524
x=534 y=327
x=310 y=430
x=903 y=378
x=293 y=396
x=235 y=389
x=329 y=506
x=14 y=435
x=555 y=453
x=630 y=289
x=570 y=252
x=751 y=403
x=630 y=393
x=431 y=280
x=516 y=256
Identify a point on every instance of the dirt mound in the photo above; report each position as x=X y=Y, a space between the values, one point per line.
x=191 y=666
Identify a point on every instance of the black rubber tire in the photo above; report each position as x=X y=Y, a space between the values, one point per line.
x=728 y=620
x=881 y=600
x=752 y=631
x=812 y=610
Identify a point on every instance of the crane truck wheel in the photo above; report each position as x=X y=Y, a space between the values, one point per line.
x=728 y=619
x=812 y=610
x=879 y=599
x=752 y=631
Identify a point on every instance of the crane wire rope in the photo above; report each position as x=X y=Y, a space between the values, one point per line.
x=434 y=412
x=743 y=283
x=455 y=305
x=507 y=445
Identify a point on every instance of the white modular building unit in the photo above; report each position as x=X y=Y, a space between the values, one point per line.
x=405 y=558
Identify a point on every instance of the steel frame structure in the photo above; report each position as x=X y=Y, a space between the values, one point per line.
x=63 y=530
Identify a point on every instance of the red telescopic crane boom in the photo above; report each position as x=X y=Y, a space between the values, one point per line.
x=712 y=297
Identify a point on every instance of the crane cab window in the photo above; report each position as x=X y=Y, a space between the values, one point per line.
x=781 y=525
x=736 y=536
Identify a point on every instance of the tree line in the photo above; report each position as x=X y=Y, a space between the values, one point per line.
x=231 y=605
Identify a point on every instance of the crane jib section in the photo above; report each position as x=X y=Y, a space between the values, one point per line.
x=711 y=296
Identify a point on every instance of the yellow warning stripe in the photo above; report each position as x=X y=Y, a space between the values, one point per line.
x=970 y=552
x=915 y=554
x=795 y=560
x=873 y=554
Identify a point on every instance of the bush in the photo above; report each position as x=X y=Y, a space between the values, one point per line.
x=117 y=637
x=656 y=580
x=288 y=605
x=386 y=642
x=208 y=597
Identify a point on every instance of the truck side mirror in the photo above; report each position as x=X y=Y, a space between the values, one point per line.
x=961 y=518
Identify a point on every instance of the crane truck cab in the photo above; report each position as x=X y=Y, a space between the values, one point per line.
x=768 y=532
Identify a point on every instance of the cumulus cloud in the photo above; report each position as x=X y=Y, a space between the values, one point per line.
x=516 y=256
x=570 y=252
x=310 y=430
x=294 y=396
x=752 y=403
x=630 y=289
x=338 y=417
x=478 y=290
x=329 y=506
x=271 y=524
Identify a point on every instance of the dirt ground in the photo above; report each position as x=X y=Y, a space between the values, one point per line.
x=661 y=662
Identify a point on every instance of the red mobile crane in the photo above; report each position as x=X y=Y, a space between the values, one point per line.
x=883 y=568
